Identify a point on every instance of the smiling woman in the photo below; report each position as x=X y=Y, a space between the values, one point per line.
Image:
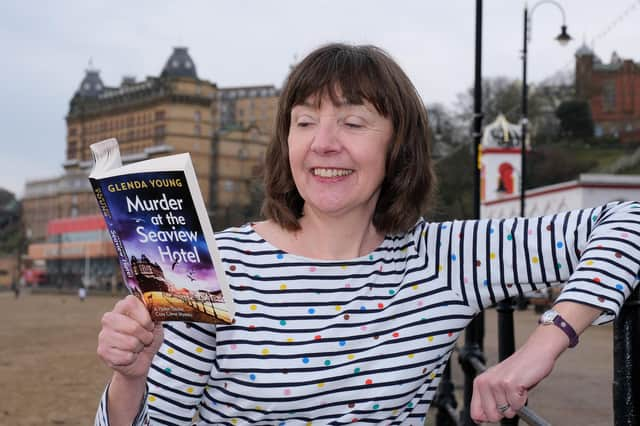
x=348 y=302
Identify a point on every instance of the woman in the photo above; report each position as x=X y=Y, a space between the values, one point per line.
x=348 y=302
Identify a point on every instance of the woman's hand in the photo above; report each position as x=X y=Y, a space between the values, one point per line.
x=129 y=339
x=503 y=389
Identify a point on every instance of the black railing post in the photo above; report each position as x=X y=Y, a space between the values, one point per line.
x=626 y=363
x=446 y=400
x=506 y=340
x=474 y=333
x=473 y=348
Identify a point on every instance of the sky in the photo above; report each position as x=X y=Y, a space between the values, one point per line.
x=47 y=46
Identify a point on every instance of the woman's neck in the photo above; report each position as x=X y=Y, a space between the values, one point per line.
x=324 y=237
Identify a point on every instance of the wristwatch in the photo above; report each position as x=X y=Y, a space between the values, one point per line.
x=553 y=317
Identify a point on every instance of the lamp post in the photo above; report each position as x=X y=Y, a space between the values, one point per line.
x=563 y=38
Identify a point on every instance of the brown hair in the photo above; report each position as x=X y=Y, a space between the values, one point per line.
x=359 y=73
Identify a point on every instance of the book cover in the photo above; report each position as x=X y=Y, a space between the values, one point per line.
x=158 y=222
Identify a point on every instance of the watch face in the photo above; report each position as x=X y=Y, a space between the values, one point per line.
x=548 y=316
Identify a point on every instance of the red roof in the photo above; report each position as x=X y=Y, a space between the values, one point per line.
x=76 y=224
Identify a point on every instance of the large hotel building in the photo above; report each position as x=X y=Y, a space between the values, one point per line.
x=226 y=131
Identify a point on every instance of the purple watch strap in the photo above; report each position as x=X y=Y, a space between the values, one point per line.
x=568 y=330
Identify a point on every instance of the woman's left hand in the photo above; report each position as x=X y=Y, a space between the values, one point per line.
x=503 y=389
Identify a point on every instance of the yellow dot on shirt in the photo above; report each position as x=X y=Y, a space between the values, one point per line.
x=321 y=384
x=199 y=349
x=189 y=390
x=309 y=423
x=170 y=351
x=394 y=412
x=492 y=255
x=151 y=398
x=338 y=308
x=343 y=267
x=253 y=307
x=290 y=339
x=259 y=407
x=589 y=262
x=415 y=287
x=433 y=375
x=283 y=286
x=440 y=268
x=234 y=421
x=351 y=356
x=430 y=338
x=265 y=351
x=411 y=356
x=535 y=259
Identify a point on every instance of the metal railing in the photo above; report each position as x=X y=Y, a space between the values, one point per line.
x=626 y=368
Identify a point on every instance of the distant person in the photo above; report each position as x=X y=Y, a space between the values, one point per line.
x=15 y=287
x=349 y=303
x=82 y=293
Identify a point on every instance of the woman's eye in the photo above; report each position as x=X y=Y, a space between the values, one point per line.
x=304 y=123
x=353 y=125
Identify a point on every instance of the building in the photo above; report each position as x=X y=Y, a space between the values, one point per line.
x=226 y=131
x=589 y=190
x=613 y=92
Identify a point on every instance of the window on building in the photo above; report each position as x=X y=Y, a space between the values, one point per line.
x=73 y=131
x=197 y=116
x=229 y=185
x=609 y=95
x=158 y=131
x=159 y=115
x=196 y=130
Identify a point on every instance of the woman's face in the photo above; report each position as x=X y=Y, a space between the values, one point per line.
x=337 y=156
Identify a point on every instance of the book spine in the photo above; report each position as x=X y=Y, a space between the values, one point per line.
x=125 y=266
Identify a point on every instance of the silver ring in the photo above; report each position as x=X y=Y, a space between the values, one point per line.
x=503 y=408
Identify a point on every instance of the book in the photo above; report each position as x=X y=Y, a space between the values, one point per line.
x=162 y=234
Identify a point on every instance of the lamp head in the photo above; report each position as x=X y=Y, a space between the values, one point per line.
x=564 y=37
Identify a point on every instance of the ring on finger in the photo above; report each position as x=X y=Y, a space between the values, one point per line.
x=503 y=408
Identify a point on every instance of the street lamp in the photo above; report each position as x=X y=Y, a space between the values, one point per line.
x=563 y=38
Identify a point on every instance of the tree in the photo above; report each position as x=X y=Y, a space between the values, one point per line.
x=11 y=235
x=575 y=119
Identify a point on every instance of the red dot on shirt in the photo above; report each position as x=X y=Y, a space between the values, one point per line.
x=618 y=255
x=450 y=333
x=318 y=337
x=601 y=299
x=232 y=267
x=396 y=334
x=380 y=305
x=596 y=279
x=368 y=382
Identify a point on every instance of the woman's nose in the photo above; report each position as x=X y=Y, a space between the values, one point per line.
x=325 y=139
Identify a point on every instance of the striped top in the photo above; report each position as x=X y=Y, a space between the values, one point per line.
x=365 y=340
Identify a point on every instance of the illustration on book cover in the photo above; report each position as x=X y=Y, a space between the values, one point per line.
x=161 y=245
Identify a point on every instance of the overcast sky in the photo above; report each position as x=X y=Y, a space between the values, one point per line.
x=47 y=46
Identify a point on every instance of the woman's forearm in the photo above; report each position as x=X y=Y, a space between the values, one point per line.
x=125 y=399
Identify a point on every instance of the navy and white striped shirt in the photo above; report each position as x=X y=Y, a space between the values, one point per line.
x=365 y=340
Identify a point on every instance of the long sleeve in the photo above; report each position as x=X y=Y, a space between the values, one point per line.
x=177 y=378
x=595 y=251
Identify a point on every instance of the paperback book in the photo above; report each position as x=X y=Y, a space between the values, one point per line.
x=159 y=225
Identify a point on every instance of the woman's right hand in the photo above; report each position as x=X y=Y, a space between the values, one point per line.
x=129 y=339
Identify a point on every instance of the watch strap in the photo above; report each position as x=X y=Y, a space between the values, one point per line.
x=563 y=325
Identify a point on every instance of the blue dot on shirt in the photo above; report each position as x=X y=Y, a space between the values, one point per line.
x=454 y=257
x=305 y=360
x=252 y=376
x=342 y=343
x=311 y=311
x=559 y=244
x=363 y=308
x=280 y=256
x=491 y=231
x=619 y=286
